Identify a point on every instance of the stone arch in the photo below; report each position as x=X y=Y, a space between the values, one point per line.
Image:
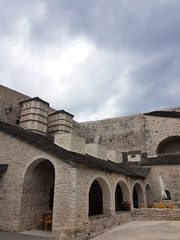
x=169 y=145
x=37 y=192
x=137 y=195
x=122 y=194
x=33 y=162
x=148 y=193
x=99 y=191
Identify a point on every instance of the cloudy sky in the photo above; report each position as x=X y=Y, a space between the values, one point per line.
x=93 y=58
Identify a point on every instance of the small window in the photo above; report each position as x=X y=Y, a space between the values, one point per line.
x=133 y=156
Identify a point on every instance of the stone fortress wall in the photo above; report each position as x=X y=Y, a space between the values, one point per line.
x=10 y=107
x=130 y=133
x=157 y=129
x=108 y=139
x=120 y=134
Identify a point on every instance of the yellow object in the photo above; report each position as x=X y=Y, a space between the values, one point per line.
x=149 y=204
x=49 y=212
x=161 y=205
x=38 y=220
x=171 y=205
x=141 y=205
x=47 y=220
x=155 y=205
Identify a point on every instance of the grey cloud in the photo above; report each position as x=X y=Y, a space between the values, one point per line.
x=143 y=25
x=138 y=25
x=141 y=37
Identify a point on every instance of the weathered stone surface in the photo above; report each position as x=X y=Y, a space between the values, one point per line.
x=134 y=164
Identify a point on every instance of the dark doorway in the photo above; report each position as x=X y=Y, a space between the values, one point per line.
x=51 y=198
x=168 y=195
x=118 y=198
x=135 y=198
x=95 y=199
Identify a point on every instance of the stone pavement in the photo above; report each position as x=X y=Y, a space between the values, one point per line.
x=144 y=230
x=137 y=230
x=27 y=235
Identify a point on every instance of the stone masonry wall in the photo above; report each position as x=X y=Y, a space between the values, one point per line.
x=9 y=104
x=100 y=225
x=90 y=226
x=70 y=212
x=121 y=134
x=157 y=129
x=11 y=95
x=70 y=142
x=171 y=179
x=9 y=111
x=20 y=157
x=153 y=214
x=96 y=150
x=10 y=107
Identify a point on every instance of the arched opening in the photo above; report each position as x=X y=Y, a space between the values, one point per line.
x=99 y=197
x=148 y=194
x=122 y=197
x=137 y=195
x=169 y=145
x=135 y=198
x=38 y=193
x=95 y=199
x=168 y=195
x=118 y=198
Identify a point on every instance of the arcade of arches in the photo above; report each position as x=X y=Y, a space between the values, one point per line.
x=38 y=194
x=122 y=195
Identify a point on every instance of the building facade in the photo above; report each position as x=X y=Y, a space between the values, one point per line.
x=88 y=173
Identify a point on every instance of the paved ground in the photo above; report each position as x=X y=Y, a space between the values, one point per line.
x=27 y=235
x=149 y=230
x=140 y=230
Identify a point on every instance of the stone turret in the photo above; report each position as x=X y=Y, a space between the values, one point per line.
x=60 y=122
x=34 y=115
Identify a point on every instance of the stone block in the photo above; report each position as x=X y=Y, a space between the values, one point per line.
x=70 y=142
x=96 y=150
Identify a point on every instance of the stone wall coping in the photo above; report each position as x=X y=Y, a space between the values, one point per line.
x=166 y=114
x=61 y=111
x=35 y=99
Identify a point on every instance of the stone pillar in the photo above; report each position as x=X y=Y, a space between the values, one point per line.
x=65 y=197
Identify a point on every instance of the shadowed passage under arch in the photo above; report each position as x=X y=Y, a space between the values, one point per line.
x=95 y=199
x=122 y=197
x=38 y=192
x=137 y=195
